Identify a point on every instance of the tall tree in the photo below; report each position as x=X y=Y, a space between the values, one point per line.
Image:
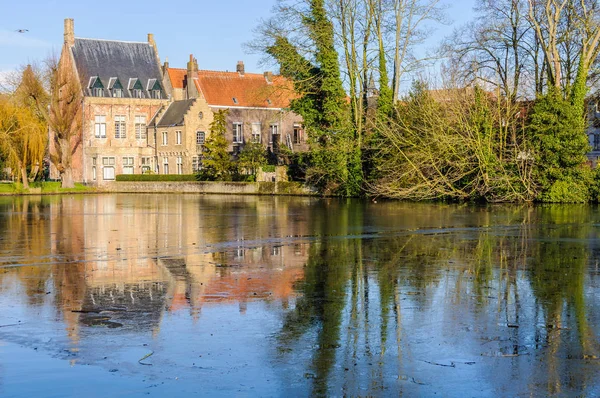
x=65 y=119
x=216 y=161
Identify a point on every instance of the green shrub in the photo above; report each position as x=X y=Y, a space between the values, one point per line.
x=156 y=177
x=567 y=191
x=268 y=168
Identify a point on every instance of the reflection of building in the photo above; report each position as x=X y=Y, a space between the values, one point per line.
x=138 y=255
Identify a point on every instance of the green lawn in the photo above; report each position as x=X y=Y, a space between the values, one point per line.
x=46 y=187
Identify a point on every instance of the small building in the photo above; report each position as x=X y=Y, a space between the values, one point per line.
x=258 y=105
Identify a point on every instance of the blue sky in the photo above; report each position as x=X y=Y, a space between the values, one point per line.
x=214 y=31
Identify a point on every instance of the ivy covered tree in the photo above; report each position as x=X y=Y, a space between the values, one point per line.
x=216 y=162
x=557 y=129
x=335 y=165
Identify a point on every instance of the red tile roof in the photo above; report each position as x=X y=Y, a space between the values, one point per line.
x=249 y=90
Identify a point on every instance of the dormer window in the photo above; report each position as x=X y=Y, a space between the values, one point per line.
x=136 y=88
x=96 y=87
x=154 y=89
x=115 y=87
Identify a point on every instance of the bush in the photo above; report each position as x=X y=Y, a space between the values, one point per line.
x=566 y=191
x=156 y=177
x=268 y=168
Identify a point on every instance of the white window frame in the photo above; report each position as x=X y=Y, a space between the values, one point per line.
x=108 y=168
x=256 y=132
x=178 y=137
x=179 y=165
x=156 y=94
x=238 y=133
x=120 y=127
x=273 y=130
x=300 y=137
x=140 y=127
x=117 y=93
x=165 y=138
x=100 y=126
x=165 y=165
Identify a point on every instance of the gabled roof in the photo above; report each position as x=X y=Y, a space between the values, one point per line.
x=175 y=113
x=249 y=90
x=108 y=59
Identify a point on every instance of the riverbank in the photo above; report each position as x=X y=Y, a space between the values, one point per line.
x=202 y=187
x=42 y=188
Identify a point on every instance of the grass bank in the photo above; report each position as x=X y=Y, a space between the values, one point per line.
x=36 y=188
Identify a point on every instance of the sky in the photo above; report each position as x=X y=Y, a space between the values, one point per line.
x=214 y=31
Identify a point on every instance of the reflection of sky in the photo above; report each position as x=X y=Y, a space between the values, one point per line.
x=211 y=287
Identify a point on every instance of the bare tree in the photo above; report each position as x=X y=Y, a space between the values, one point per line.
x=65 y=120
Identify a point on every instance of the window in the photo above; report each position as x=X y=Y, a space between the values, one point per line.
x=127 y=165
x=117 y=92
x=137 y=93
x=238 y=133
x=100 y=126
x=140 y=127
x=235 y=101
x=146 y=165
x=179 y=165
x=156 y=94
x=256 y=132
x=298 y=134
x=165 y=165
x=108 y=168
x=273 y=131
x=120 y=126
x=165 y=138
x=94 y=169
x=200 y=137
x=200 y=115
x=178 y=137
x=98 y=92
x=195 y=163
x=596 y=141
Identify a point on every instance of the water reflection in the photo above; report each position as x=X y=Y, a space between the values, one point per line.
x=331 y=297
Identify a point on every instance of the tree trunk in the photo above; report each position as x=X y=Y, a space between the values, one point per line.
x=66 y=177
x=24 y=176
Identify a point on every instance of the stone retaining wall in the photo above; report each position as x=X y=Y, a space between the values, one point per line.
x=231 y=188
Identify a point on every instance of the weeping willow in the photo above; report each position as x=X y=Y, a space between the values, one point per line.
x=23 y=138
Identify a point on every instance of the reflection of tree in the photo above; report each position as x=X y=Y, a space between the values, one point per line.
x=69 y=271
x=557 y=276
x=29 y=233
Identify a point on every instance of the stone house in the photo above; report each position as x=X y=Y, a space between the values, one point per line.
x=257 y=104
x=122 y=92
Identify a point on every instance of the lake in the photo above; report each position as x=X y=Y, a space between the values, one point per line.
x=182 y=295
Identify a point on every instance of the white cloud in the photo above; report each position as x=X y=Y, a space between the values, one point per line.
x=15 y=39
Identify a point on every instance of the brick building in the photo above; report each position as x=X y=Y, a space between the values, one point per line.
x=140 y=117
x=122 y=92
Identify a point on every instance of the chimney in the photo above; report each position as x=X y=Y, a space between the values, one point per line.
x=152 y=43
x=192 y=77
x=240 y=68
x=165 y=65
x=69 y=32
x=269 y=77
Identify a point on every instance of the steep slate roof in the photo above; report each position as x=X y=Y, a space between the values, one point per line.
x=249 y=90
x=175 y=113
x=123 y=60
